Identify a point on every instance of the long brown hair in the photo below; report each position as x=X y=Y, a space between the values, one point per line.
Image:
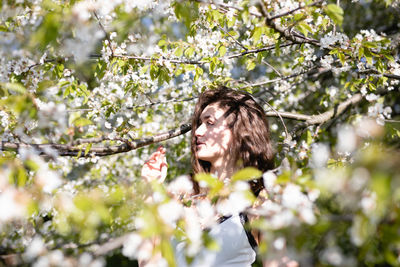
x=249 y=125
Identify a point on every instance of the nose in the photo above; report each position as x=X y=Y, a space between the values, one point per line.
x=200 y=130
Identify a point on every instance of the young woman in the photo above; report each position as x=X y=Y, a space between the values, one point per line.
x=229 y=132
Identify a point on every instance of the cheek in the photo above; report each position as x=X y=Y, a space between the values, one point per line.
x=226 y=138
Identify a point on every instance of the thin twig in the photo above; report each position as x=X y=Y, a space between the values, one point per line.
x=142 y=106
x=233 y=38
x=280 y=118
x=280 y=79
x=105 y=32
x=393 y=121
x=272 y=67
x=259 y=50
x=195 y=62
x=164 y=102
x=220 y=4
x=296 y=9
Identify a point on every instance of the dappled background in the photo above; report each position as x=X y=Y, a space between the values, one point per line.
x=89 y=89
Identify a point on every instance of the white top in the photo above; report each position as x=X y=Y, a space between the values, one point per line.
x=234 y=247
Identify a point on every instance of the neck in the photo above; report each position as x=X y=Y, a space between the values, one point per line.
x=223 y=169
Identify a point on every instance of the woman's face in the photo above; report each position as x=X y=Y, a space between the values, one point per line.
x=213 y=136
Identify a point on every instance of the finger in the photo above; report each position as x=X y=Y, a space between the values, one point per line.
x=161 y=149
x=157 y=162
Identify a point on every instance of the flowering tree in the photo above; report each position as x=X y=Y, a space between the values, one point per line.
x=90 y=88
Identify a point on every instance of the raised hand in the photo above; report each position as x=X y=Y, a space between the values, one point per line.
x=155 y=169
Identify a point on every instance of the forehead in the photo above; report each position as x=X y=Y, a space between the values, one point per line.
x=212 y=110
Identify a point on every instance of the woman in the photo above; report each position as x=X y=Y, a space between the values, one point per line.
x=229 y=132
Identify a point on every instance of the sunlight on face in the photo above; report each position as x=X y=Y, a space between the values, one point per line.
x=213 y=136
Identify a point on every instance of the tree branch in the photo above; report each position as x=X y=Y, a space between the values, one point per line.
x=294 y=10
x=336 y=111
x=374 y=71
x=254 y=51
x=287 y=33
x=195 y=62
x=71 y=150
x=111 y=245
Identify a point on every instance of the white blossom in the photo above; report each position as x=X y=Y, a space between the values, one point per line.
x=347 y=139
x=269 y=179
x=181 y=185
x=35 y=248
x=332 y=38
x=320 y=154
x=131 y=246
x=11 y=207
x=170 y=212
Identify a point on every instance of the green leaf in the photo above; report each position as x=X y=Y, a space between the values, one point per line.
x=304 y=28
x=167 y=252
x=335 y=13
x=21 y=177
x=222 y=50
x=298 y=16
x=248 y=173
x=154 y=72
x=372 y=86
x=212 y=182
x=199 y=73
x=15 y=87
x=309 y=138
x=189 y=52
x=213 y=65
x=250 y=65
x=187 y=12
x=3 y=28
x=162 y=43
x=144 y=69
x=231 y=22
x=341 y=58
x=360 y=52
x=100 y=69
x=257 y=34
x=178 y=51
x=370 y=44
x=79 y=122
x=67 y=91
x=48 y=31
x=368 y=56
x=87 y=149
x=389 y=57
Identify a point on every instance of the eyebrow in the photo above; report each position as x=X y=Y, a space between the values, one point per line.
x=206 y=117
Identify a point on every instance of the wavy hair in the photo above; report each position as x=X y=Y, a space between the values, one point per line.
x=249 y=125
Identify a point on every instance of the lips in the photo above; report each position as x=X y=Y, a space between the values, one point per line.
x=199 y=143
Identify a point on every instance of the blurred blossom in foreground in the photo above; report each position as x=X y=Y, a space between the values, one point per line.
x=320 y=155
x=368 y=128
x=35 y=248
x=332 y=180
x=333 y=256
x=181 y=185
x=170 y=212
x=347 y=139
x=131 y=246
x=48 y=179
x=269 y=179
x=11 y=206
